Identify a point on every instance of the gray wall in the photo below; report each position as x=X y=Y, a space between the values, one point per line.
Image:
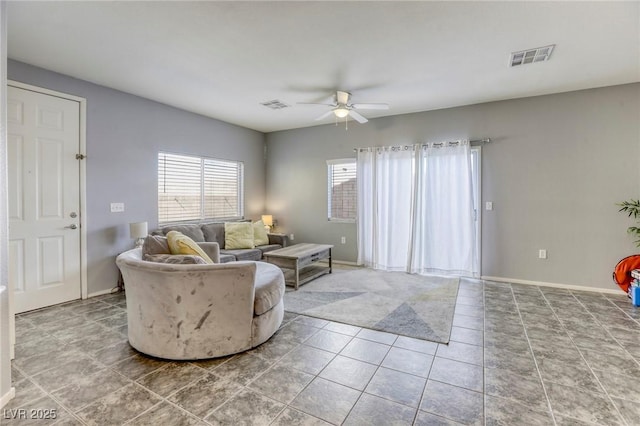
x=557 y=166
x=124 y=135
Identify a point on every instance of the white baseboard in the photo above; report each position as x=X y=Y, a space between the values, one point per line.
x=556 y=285
x=7 y=397
x=338 y=262
x=344 y=262
x=100 y=293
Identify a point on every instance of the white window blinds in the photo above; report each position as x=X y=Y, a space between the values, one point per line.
x=198 y=188
x=342 y=190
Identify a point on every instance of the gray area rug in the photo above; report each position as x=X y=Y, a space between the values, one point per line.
x=410 y=305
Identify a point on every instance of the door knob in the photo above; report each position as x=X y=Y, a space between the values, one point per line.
x=72 y=226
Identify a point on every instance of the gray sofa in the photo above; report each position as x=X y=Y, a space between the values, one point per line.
x=214 y=232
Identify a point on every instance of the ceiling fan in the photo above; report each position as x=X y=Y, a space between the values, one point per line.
x=342 y=107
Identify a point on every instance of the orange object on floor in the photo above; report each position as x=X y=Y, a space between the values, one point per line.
x=622 y=271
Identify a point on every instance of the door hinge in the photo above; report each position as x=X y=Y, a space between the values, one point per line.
x=80 y=157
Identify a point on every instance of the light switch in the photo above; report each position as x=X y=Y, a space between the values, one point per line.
x=488 y=205
x=117 y=207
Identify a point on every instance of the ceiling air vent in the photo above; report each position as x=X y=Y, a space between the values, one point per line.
x=530 y=56
x=275 y=104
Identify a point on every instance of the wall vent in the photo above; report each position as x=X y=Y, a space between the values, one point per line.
x=275 y=104
x=539 y=54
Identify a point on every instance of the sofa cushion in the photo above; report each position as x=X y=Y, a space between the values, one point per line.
x=238 y=235
x=269 y=247
x=181 y=244
x=192 y=231
x=214 y=233
x=269 y=287
x=155 y=244
x=176 y=259
x=260 y=237
x=243 y=254
x=226 y=258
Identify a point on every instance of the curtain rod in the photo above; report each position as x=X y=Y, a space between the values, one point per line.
x=471 y=142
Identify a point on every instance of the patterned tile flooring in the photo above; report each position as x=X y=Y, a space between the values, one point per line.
x=518 y=355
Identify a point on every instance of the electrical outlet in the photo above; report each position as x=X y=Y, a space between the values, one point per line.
x=291 y=237
x=117 y=207
x=343 y=240
x=542 y=254
x=488 y=205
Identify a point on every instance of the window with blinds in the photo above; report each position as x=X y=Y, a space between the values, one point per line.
x=342 y=190
x=192 y=188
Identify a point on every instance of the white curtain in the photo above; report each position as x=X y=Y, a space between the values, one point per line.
x=415 y=209
x=384 y=207
x=443 y=228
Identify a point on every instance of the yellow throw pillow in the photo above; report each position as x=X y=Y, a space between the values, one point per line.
x=181 y=244
x=260 y=237
x=238 y=235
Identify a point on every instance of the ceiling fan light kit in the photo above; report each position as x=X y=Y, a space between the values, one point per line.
x=342 y=108
x=341 y=112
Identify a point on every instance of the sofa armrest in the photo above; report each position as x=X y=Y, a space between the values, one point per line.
x=212 y=250
x=281 y=239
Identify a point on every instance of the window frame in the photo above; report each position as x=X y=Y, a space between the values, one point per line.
x=330 y=165
x=202 y=187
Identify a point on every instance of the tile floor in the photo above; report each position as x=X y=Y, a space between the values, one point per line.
x=519 y=355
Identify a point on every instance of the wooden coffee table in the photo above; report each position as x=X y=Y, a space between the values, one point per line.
x=302 y=258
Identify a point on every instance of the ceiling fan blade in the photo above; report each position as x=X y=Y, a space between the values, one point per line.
x=325 y=115
x=360 y=119
x=315 y=103
x=342 y=97
x=371 y=106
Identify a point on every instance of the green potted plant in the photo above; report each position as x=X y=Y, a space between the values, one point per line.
x=632 y=208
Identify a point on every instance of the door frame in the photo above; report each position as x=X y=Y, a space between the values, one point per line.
x=83 y=193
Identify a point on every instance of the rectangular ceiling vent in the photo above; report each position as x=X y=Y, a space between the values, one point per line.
x=275 y=104
x=530 y=56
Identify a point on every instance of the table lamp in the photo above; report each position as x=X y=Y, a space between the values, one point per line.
x=267 y=219
x=138 y=231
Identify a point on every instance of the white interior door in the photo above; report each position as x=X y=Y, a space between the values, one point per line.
x=44 y=199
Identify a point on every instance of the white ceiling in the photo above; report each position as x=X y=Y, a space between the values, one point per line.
x=221 y=59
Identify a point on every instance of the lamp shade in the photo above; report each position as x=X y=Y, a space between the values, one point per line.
x=267 y=219
x=138 y=230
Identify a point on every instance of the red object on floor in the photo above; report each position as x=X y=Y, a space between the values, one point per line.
x=622 y=271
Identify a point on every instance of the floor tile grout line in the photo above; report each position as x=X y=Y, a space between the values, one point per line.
x=610 y=399
x=424 y=389
x=287 y=405
x=606 y=331
x=515 y=303
x=535 y=361
x=378 y=366
x=206 y=372
x=362 y=392
x=51 y=396
x=520 y=313
x=161 y=401
x=484 y=341
x=210 y=412
x=484 y=368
